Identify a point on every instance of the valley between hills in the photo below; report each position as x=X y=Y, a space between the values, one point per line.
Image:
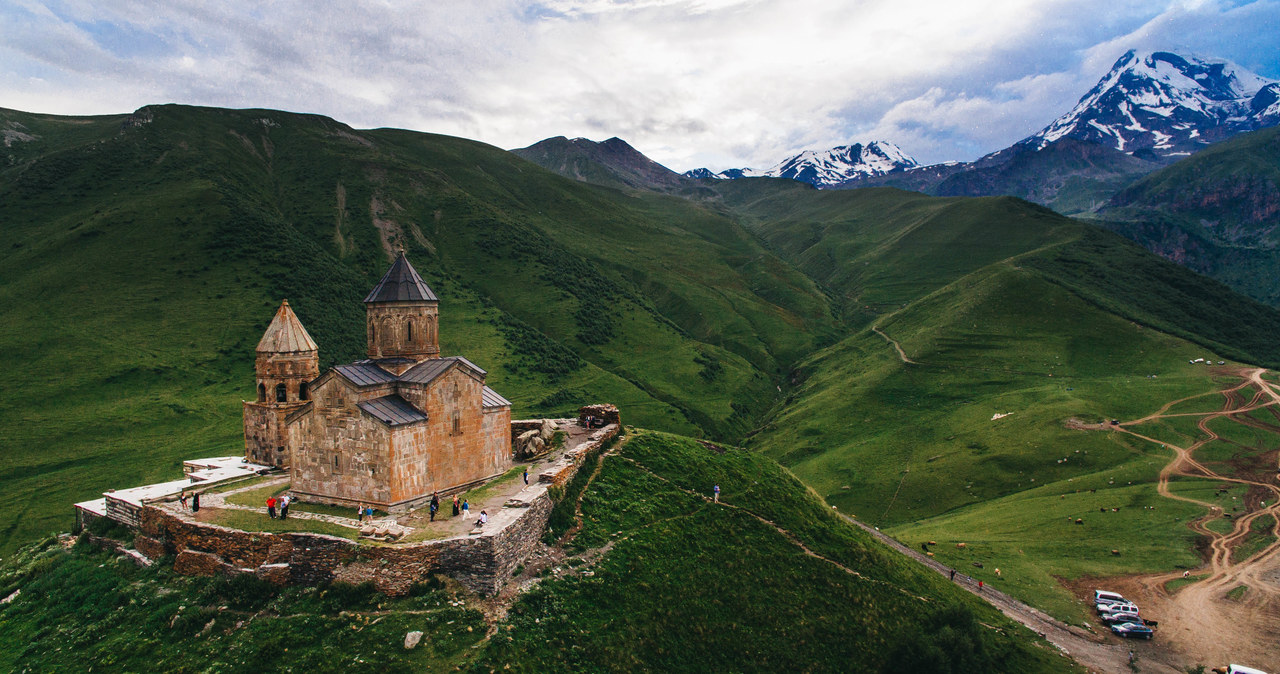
x=941 y=368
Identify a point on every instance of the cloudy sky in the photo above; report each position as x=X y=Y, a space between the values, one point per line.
x=717 y=83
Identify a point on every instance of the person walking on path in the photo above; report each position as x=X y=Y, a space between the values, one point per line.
x=466 y=508
x=284 y=506
x=716 y=494
x=979 y=586
x=953 y=575
x=195 y=502
x=271 y=506
x=368 y=512
x=455 y=505
x=526 y=476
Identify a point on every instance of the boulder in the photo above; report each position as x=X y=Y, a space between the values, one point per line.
x=411 y=639
x=547 y=430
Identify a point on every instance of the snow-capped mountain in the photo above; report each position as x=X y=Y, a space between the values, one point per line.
x=826 y=168
x=1165 y=104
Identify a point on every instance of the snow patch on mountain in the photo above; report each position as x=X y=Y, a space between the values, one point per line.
x=827 y=167
x=1167 y=103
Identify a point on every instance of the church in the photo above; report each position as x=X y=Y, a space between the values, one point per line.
x=387 y=431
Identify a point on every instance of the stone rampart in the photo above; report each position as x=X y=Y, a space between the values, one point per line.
x=482 y=563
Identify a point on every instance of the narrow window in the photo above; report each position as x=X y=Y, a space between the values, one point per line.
x=410 y=332
x=282 y=394
x=457 y=423
x=303 y=393
x=262 y=393
x=337 y=466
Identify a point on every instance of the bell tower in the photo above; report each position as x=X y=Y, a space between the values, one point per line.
x=287 y=361
x=401 y=315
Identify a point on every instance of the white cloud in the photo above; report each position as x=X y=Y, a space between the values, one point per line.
x=689 y=82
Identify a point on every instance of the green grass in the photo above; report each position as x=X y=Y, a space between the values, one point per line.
x=83 y=609
x=677 y=560
x=1033 y=539
x=1237 y=593
x=257 y=496
x=139 y=268
x=1179 y=583
x=685 y=585
x=259 y=521
x=1229 y=239
x=1262 y=533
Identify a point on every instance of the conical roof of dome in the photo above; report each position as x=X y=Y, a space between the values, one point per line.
x=286 y=334
x=401 y=283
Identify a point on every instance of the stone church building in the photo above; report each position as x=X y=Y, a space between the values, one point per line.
x=387 y=431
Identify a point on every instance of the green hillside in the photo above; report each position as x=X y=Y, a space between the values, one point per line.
x=1215 y=212
x=767 y=579
x=1005 y=309
x=142 y=256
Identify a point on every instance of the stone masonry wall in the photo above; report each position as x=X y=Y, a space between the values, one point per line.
x=481 y=563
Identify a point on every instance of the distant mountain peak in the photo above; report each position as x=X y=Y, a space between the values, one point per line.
x=1165 y=104
x=826 y=168
x=611 y=162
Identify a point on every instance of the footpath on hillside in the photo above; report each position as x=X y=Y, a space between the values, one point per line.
x=1205 y=622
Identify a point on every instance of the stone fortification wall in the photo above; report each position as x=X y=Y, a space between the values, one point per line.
x=482 y=563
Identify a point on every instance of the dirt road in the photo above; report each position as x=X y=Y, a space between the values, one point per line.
x=1200 y=621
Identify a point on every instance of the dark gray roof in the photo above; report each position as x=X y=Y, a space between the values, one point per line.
x=493 y=399
x=392 y=410
x=365 y=373
x=428 y=370
x=401 y=283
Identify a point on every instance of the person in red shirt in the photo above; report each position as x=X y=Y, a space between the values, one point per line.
x=271 y=507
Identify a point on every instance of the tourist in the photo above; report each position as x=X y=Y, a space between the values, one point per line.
x=455 y=505
x=484 y=518
x=195 y=502
x=284 y=506
x=360 y=512
x=526 y=476
x=466 y=508
x=435 y=505
x=271 y=506
x=182 y=500
x=368 y=512
x=717 y=493
x=979 y=586
x=953 y=575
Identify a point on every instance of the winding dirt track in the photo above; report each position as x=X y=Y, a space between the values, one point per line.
x=1199 y=624
x=1199 y=621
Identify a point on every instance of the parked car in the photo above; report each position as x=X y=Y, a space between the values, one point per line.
x=1106 y=597
x=1123 y=617
x=1133 y=631
x=1117 y=608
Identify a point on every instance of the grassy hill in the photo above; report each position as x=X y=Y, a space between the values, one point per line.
x=768 y=578
x=1004 y=308
x=141 y=257
x=1214 y=212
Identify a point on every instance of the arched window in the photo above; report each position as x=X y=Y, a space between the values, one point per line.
x=262 y=393
x=373 y=334
x=410 y=331
x=303 y=393
x=282 y=394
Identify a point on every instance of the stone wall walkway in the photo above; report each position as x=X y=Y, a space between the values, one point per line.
x=218 y=500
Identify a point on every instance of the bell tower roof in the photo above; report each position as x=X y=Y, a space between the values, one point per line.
x=286 y=334
x=401 y=283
